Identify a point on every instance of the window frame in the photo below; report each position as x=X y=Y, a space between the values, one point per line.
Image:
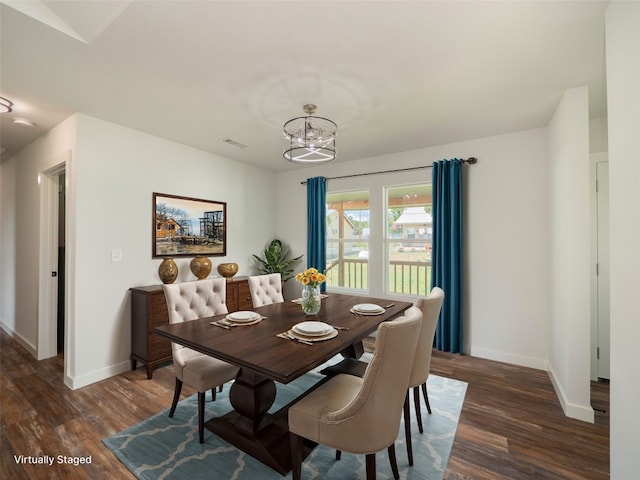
x=343 y=289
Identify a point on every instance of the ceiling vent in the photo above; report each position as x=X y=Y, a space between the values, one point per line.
x=234 y=143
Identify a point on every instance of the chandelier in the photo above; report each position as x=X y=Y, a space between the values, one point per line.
x=5 y=105
x=310 y=139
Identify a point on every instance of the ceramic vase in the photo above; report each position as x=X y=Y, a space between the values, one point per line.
x=200 y=267
x=228 y=270
x=168 y=270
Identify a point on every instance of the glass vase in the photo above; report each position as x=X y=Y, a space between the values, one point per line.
x=310 y=299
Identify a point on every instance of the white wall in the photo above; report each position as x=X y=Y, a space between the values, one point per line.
x=623 y=105
x=506 y=234
x=570 y=253
x=116 y=171
x=598 y=135
x=20 y=209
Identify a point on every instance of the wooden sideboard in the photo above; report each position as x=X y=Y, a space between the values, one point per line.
x=149 y=310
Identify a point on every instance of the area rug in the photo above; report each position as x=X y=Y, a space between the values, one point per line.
x=163 y=448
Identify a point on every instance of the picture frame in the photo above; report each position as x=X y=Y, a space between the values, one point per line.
x=188 y=227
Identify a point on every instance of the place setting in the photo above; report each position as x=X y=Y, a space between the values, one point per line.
x=369 y=309
x=238 y=319
x=310 y=332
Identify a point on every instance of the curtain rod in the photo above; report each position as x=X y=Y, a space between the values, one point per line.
x=470 y=161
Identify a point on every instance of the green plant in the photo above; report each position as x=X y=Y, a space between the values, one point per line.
x=275 y=259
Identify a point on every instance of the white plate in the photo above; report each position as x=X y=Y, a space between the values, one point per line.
x=312 y=329
x=357 y=312
x=310 y=338
x=368 y=308
x=243 y=317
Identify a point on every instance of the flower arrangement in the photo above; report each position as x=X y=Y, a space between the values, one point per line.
x=311 y=277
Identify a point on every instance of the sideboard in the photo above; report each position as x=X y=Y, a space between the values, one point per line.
x=149 y=310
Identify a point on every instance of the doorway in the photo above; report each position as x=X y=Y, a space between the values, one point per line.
x=600 y=326
x=52 y=291
x=602 y=270
x=61 y=262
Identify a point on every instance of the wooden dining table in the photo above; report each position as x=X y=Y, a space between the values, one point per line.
x=264 y=358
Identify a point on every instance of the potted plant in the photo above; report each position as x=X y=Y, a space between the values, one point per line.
x=275 y=259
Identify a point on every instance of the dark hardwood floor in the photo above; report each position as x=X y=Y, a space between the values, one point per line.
x=511 y=427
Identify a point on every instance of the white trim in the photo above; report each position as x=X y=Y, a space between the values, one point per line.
x=97 y=375
x=30 y=347
x=48 y=289
x=595 y=158
x=514 y=359
x=572 y=410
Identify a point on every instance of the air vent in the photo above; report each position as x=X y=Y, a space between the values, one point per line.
x=234 y=143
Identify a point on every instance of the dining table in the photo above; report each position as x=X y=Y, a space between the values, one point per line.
x=265 y=355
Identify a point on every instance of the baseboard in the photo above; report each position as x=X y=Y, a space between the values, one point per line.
x=571 y=410
x=20 y=339
x=87 y=379
x=520 y=360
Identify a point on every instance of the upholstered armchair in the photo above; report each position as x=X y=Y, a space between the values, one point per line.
x=189 y=301
x=361 y=415
x=265 y=289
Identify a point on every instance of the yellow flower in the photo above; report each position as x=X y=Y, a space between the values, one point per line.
x=311 y=276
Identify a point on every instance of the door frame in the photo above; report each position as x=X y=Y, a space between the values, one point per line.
x=48 y=261
x=595 y=158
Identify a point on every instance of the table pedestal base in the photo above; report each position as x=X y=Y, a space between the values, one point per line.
x=250 y=428
x=270 y=445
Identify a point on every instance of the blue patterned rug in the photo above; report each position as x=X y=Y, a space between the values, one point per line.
x=167 y=448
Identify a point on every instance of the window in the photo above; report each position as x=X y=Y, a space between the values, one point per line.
x=409 y=235
x=348 y=240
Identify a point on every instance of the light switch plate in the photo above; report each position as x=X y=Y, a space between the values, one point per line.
x=116 y=255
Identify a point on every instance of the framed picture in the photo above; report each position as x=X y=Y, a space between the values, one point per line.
x=188 y=227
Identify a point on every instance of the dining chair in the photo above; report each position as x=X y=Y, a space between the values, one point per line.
x=188 y=301
x=361 y=415
x=265 y=289
x=430 y=307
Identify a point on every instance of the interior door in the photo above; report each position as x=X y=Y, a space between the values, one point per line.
x=602 y=175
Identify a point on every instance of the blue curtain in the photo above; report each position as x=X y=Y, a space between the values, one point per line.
x=317 y=224
x=447 y=251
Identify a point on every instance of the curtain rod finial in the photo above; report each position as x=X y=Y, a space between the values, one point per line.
x=472 y=160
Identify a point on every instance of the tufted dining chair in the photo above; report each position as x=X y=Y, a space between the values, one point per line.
x=361 y=415
x=189 y=301
x=430 y=307
x=265 y=289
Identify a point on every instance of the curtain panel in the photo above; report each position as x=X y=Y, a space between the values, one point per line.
x=447 y=252
x=317 y=224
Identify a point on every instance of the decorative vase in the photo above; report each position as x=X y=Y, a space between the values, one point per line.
x=311 y=299
x=200 y=267
x=168 y=270
x=228 y=270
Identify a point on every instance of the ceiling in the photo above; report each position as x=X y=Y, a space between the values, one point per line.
x=393 y=75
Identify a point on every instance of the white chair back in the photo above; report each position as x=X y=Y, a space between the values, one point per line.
x=430 y=307
x=265 y=289
x=377 y=408
x=191 y=300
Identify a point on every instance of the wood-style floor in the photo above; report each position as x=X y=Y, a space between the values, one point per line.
x=512 y=426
